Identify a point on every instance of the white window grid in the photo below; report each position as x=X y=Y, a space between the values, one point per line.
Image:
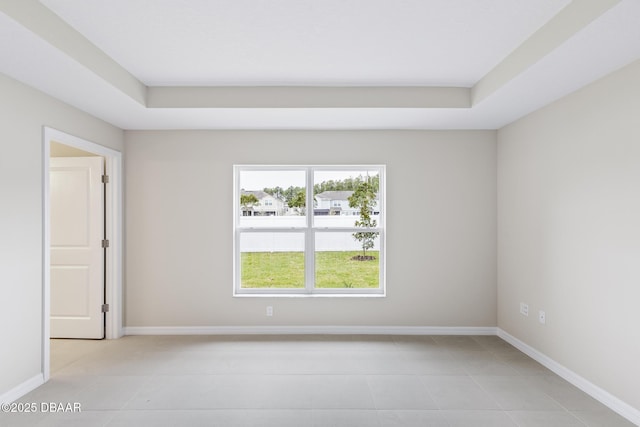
x=309 y=230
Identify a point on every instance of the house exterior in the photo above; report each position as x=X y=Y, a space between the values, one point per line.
x=337 y=203
x=267 y=205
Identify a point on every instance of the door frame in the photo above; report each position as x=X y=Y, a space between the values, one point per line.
x=114 y=229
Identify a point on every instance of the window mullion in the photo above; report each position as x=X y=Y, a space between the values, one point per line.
x=309 y=256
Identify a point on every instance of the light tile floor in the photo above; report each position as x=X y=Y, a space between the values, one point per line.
x=300 y=381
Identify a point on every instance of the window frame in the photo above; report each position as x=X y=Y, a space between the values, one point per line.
x=310 y=230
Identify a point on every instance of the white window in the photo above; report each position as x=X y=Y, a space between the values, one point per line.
x=310 y=249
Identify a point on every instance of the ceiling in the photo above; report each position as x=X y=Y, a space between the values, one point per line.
x=314 y=64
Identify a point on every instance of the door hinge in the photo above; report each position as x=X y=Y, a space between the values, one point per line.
x=105 y=243
x=105 y=179
x=105 y=308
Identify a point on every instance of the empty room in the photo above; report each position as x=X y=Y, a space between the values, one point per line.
x=320 y=213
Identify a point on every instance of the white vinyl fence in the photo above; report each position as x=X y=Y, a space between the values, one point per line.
x=293 y=241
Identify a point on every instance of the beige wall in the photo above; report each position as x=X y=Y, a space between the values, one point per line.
x=569 y=231
x=440 y=270
x=23 y=113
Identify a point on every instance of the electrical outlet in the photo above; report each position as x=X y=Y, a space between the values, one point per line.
x=542 y=317
x=269 y=311
x=524 y=309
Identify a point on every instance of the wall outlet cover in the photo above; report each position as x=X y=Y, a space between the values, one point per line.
x=542 y=317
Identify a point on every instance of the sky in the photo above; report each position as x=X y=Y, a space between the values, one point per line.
x=257 y=180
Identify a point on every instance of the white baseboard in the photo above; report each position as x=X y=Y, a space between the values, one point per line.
x=627 y=411
x=21 y=389
x=308 y=330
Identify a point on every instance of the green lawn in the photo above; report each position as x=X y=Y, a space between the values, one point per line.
x=286 y=270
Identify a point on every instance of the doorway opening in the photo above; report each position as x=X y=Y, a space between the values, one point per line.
x=113 y=229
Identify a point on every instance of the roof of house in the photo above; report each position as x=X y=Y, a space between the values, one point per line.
x=335 y=195
x=258 y=193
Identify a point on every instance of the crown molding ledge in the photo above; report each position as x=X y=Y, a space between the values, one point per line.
x=575 y=17
x=308 y=97
x=45 y=24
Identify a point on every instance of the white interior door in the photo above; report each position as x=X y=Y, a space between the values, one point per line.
x=77 y=255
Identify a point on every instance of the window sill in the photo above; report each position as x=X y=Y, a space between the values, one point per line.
x=324 y=295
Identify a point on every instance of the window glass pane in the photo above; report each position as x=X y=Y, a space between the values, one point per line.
x=345 y=260
x=341 y=196
x=345 y=229
x=272 y=198
x=271 y=260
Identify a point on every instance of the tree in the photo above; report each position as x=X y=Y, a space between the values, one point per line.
x=276 y=191
x=248 y=200
x=299 y=201
x=348 y=184
x=364 y=197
